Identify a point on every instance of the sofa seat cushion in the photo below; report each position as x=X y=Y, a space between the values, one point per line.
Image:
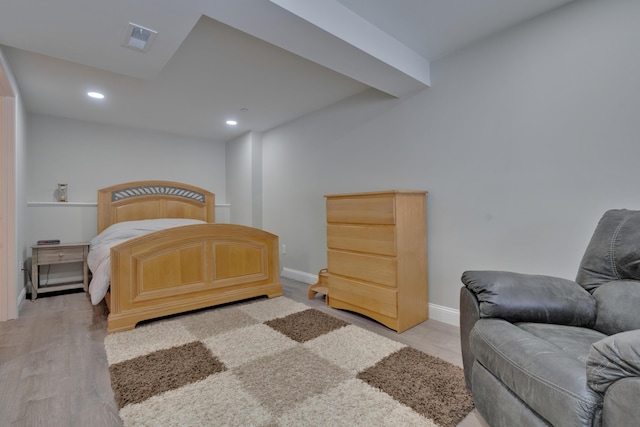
x=543 y=365
x=574 y=341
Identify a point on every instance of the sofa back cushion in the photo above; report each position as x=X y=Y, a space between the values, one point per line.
x=613 y=252
x=617 y=306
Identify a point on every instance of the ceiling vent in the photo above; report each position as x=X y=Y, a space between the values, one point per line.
x=138 y=38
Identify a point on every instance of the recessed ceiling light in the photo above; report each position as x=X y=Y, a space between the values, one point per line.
x=232 y=122
x=96 y=95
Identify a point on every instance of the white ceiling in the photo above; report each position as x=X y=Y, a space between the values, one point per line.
x=278 y=59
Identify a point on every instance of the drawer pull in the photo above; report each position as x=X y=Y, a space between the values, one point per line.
x=60 y=254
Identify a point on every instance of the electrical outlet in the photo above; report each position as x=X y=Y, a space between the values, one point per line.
x=284 y=249
x=20 y=265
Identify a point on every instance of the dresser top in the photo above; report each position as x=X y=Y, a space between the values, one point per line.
x=379 y=193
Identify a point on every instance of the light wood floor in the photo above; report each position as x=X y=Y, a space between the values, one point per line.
x=53 y=367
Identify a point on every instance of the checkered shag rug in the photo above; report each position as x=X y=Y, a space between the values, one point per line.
x=276 y=362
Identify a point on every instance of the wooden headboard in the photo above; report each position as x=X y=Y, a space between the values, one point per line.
x=138 y=200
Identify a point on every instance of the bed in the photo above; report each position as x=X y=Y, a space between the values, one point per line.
x=180 y=268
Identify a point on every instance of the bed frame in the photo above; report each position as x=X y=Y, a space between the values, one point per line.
x=183 y=268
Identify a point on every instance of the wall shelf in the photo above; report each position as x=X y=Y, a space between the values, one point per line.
x=70 y=204
x=89 y=204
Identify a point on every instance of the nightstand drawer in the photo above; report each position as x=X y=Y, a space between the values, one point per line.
x=59 y=255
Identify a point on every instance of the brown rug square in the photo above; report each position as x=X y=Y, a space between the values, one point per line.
x=136 y=380
x=426 y=384
x=306 y=325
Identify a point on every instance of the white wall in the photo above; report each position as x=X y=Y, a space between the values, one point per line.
x=244 y=179
x=22 y=173
x=523 y=141
x=89 y=156
x=16 y=225
x=256 y=179
x=238 y=179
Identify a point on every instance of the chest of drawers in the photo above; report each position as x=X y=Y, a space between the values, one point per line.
x=377 y=256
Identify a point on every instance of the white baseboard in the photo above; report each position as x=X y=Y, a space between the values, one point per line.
x=300 y=276
x=22 y=298
x=436 y=312
x=444 y=314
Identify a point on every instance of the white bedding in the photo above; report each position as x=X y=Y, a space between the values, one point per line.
x=100 y=249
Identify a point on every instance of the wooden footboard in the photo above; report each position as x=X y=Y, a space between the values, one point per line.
x=191 y=267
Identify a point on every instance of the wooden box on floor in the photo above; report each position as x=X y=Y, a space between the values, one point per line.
x=377 y=256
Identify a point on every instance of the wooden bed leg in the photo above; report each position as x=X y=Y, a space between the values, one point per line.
x=119 y=325
x=320 y=287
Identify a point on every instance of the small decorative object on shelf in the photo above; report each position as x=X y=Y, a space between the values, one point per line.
x=62 y=192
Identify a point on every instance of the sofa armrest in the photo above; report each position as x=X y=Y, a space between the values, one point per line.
x=620 y=404
x=469 y=315
x=613 y=358
x=519 y=297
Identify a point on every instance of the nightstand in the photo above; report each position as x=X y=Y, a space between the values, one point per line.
x=58 y=254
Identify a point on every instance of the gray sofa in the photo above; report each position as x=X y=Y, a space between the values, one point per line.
x=540 y=350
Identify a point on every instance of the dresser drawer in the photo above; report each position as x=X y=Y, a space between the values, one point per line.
x=363 y=295
x=379 y=209
x=56 y=255
x=369 y=268
x=379 y=240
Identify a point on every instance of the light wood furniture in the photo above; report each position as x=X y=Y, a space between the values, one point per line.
x=377 y=256
x=183 y=268
x=320 y=287
x=63 y=253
